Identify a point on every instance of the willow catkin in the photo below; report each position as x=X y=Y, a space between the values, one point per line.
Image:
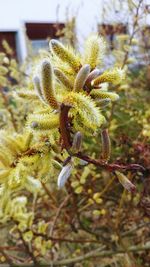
x=81 y=78
x=113 y=76
x=63 y=79
x=66 y=55
x=94 y=50
x=84 y=111
x=48 y=90
x=37 y=88
x=106 y=145
x=3 y=175
x=43 y=121
x=31 y=95
x=100 y=94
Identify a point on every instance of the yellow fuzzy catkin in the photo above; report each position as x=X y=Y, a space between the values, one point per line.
x=48 y=91
x=43 y=121
x=31 y=95
x=65 y=54
x=84 y=107
x=114 y=76
x=81 y=77
x=63 y=79
x=30 y=160
x=98 y=93
x=3 y=175
x=94 y=50
x=12 y=144
x=27 y=140
x=37 y=88
x=4 y=159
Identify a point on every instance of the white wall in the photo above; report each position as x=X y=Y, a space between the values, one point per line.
x=14 y=13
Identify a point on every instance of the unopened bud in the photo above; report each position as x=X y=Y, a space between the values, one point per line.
x=125 y=182
x=34 y=125
x=77 y=142
x=93 y=74
x=81 y=77
x=106 y=145
x=63 y=79
x=64 y=175
x=37 y=88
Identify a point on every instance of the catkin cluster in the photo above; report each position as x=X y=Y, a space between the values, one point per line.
x=70 y=92
x=75 y=80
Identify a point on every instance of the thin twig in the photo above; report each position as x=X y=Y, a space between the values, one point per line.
x=133 y=32
x=98 y=253
x=57 y=214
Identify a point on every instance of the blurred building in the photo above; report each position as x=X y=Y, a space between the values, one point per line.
x=42 y=19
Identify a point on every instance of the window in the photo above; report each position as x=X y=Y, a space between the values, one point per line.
x=10 y=38
x=40 y=33
x=110 y=31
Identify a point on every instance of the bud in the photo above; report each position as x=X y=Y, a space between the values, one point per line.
x=34 y=125
x=77 y=142
x=48 y=91
x=106 y=145
x=63 y=79
x=64 y=175
x=37 y=88
x=93 y=74
x=79 y=189
x=27 y=236
x=125 y=182
x=81 y=77
x=56 y=164
x=74 y=184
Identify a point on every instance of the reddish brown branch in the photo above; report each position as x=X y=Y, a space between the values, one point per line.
x=64 y=126
x=110 y=167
